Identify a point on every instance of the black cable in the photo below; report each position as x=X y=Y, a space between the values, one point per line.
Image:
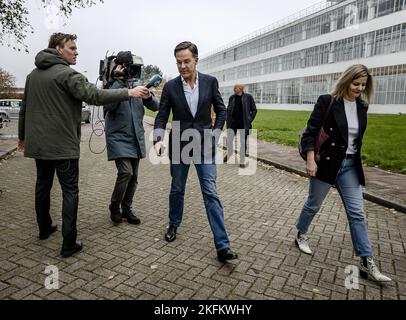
x=96 y=131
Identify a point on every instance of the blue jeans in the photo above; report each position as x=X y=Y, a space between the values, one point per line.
x=350 y=190
x=207 y=177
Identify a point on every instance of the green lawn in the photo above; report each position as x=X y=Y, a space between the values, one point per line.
x=150 y=113
x=384 y=143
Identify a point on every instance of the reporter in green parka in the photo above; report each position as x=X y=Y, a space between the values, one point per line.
x=49 y=130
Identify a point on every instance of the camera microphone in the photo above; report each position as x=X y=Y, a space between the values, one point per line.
x=154 y=81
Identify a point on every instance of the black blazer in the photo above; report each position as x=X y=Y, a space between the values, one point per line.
x=333 y=151
x=249 y=110
x=173 y=99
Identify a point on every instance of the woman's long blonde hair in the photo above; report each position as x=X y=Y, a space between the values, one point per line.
x=354 y=72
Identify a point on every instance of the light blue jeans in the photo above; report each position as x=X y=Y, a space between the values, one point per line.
x=207 y=177
x=350 y=190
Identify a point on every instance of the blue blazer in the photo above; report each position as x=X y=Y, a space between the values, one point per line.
x=173 y=100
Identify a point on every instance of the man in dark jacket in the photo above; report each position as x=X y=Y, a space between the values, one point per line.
x=49 y=130
x=125 y=139
x=190 y=97
x=241 y=112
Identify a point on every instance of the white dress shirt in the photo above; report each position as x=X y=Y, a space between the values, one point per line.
x=192 y=95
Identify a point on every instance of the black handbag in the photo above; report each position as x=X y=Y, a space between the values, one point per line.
x=321 y=136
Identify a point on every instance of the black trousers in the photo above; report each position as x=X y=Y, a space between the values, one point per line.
x=126 y=183
x=243 y=141
x=67 y=172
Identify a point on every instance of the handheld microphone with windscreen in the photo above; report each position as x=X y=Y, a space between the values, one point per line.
x=154 y=81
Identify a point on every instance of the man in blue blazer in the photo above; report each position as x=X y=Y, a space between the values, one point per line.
x=193 y=137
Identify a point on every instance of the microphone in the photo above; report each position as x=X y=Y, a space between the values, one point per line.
x=154 y=81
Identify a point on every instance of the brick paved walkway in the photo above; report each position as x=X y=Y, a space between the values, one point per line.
x=134 y=262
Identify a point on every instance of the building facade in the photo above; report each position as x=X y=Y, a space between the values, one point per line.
x=289 y=64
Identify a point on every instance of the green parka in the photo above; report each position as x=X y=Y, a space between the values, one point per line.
x=50 y=115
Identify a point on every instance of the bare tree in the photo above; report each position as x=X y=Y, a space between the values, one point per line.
x=14 y=22
x=7 y=83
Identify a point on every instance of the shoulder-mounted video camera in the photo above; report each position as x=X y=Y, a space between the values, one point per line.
x=131 y=68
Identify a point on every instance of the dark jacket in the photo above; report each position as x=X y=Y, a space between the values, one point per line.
x=50 y=115
x=249 y=111
x=124 y=126
x=173 y=99
x=333 y=151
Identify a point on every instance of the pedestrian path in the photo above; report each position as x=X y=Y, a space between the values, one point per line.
x=135 y=262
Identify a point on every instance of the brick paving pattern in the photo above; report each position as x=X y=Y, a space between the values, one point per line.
x=134 y=262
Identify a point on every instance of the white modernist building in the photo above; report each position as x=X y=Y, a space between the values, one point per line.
x=287 y=65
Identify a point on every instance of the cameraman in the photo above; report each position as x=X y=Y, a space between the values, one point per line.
x=125 y=137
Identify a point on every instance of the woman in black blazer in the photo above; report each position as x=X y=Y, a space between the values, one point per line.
x=339 y=161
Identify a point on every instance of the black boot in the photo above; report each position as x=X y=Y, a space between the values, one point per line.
x=170 y=234
x=115 y=214
x=44 y=234
x=69 y=251
x=131 y=217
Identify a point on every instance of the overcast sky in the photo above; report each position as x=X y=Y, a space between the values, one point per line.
x=150 y=29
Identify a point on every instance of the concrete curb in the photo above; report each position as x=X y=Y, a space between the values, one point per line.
x=367 y=195
x=3 y=155
x=383 y=202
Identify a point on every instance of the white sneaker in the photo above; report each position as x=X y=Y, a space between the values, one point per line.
x=372 y=270
x=302 y=241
